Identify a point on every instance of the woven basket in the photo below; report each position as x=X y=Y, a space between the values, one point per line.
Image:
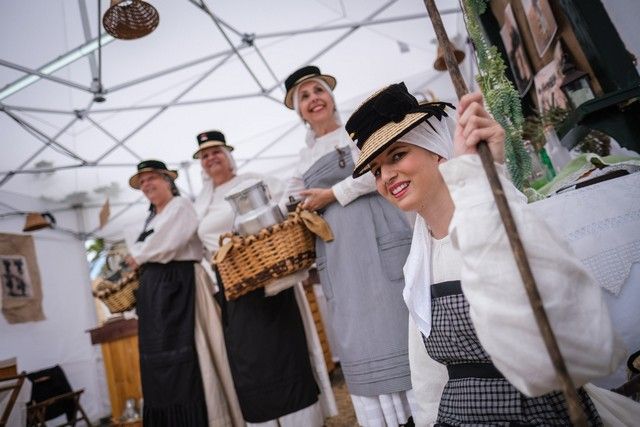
x=130 y=19
x=246 y=263
x=118 y=295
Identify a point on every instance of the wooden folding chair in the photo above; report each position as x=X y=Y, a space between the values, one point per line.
x=37 y=413
x=51 y=397
x=14 y=384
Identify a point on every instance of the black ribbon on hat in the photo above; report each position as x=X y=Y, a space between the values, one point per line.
x=392 y=104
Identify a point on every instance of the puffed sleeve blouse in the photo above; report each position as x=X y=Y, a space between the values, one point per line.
x=346 y=190
x=171 y=235
x=499 y=307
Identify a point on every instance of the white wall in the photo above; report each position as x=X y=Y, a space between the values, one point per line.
x=68 y=306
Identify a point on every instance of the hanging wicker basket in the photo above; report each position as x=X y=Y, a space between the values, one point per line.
x=246 y=263
x=130 y=19
x=117 y=295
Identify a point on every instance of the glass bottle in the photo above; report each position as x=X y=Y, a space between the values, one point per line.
x=547 y=164
x=558 y=154
x=538 y=177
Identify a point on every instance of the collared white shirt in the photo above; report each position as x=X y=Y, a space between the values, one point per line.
x=346 y=190
x=173 y=238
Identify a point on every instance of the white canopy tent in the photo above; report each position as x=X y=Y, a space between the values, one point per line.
x=208 y=65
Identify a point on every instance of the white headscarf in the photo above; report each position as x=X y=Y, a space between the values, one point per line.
x=436 y=139
x=417 y=268
x=206 y=194
x=310 y=137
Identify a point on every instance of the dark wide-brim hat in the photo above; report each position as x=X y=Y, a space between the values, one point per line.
x=151 y=166
x=212 y=138
x=301 y=76
x=384 y=117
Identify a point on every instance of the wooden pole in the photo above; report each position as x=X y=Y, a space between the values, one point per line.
x=573 y=401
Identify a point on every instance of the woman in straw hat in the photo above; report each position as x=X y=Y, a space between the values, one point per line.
x=169 y=369
x=489 y=364
x=273 y=347
x=361 y=270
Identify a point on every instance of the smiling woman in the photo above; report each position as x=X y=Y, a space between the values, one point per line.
x=462 y=287
x=361 y=270
x=156 y=187
x=265 y=337
x=315 y=104
x=166 y=252
x=410 y=175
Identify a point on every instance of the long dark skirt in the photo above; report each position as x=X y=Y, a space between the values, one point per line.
x=268 y=354
x=171 y=380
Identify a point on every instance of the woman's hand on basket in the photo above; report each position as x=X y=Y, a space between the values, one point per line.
x=131 y=262
x=317 y=198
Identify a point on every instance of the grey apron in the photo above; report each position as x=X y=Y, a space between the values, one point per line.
x=361 y=276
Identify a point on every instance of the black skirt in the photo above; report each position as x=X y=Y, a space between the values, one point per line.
x=169 y=369
x=268 y=354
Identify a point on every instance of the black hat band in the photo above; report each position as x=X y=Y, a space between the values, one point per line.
x=212 y=135
x=390 y=105
x=152 y=164
x=301 y=74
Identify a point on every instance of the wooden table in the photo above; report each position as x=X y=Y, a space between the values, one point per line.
x=8 y=368
x=601 y=223
x=119 y=342
x=116 y=423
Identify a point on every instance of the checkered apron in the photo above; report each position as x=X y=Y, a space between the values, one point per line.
x=477 y=393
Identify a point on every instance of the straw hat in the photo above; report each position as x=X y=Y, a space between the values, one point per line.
x=212 y=138
x=384 y=117
x=151 y=166
x=302 y=75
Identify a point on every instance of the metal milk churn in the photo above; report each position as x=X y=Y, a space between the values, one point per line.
x=253 y=207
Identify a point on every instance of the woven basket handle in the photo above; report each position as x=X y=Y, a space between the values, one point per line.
x=225 y=247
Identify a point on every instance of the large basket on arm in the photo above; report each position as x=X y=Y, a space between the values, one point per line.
x=117 y=293
x=246 y=263
x=117 y=283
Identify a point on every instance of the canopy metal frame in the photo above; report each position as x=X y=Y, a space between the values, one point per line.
x=246 y=43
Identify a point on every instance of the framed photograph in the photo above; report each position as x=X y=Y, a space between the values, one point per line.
x=518 y=60
x=547 y=82
x=542 y=24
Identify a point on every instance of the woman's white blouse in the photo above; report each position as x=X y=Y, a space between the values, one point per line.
x=174 y=235
x=478 y=253
x=499 y=307
x=346 y=190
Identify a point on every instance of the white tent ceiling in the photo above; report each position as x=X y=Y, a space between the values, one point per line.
x=193 y=73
